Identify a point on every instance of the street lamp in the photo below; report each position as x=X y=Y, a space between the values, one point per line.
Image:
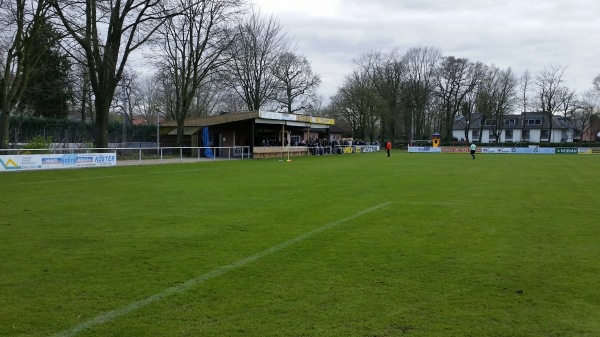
x=125 y=115
x=412 y=125
x=157 y=131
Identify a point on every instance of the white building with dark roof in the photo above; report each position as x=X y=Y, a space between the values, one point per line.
x=532 y=127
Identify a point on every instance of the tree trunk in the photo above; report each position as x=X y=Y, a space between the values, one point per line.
x=4 y=129
x=83 y=103
x=180 y=131
x=101 y=127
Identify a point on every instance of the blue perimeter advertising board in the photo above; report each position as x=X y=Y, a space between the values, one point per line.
x=56 y=161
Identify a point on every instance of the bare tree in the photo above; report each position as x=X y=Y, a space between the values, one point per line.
x=227 y=100
x=524 y=83
x=128 y=25
x=384 y=75
x=149 y=107
x=166 y=101
x=342 y=108
x=596 y=83
x=567 y=101
x=498 y=96
x=456 y=77
x=128 y=98
x=315 y=105
x=359 y=105
x=82 y=92
x=206 y=101
x=485 y=100
x=297 y=83
x=21 y=21
x=468 y=111
x=587 y=110
x=549 y=89
x=419 y=86
x=193 y=46
x=258 y=44
x=507 y=92
x=524 y=89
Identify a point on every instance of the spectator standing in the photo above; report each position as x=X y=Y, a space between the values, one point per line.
x=388 y=147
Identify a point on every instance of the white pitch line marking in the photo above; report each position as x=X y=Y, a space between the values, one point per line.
x=113 y=314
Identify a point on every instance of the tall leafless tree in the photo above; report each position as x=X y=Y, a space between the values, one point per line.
x=506 y=95
x=108 y=32
x=342 y=107
x=193 y=47
x=419 y=86
x=524 y=90
x=20 y=20
x=567 y=101
x=297 y=83
x=468 y=111
x=587 y=110
x=384 y=73
x=485 y=100
x=128 y=97
x=258 y=44
x=149 y=100
x=456 y=77
x=548 y=87
x=596 y=83
x=226 y=99
x=496 y=97
x=358 y=104
x=82 y=92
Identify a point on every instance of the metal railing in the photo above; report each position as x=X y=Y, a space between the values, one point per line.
x=148 y=155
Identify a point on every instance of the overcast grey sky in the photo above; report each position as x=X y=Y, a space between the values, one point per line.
x=523 y=34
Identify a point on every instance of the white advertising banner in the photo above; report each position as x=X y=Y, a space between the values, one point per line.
x=496 y=150
x=293 y=117
x=424 y=149
x=56 y=161
x=518 y=150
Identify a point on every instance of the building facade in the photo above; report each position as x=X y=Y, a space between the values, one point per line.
x=531 y=127
x=264 y=133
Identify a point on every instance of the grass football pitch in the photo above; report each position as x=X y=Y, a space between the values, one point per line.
x=344 y=245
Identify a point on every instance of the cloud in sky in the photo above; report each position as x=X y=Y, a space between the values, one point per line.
x=522 y=35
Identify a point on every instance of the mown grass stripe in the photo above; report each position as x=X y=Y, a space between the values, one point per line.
x=113 y=314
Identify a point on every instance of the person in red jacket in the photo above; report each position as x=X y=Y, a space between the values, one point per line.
x=388 y=147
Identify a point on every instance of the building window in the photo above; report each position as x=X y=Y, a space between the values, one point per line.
x=525 y=135
x=475 y=134
x=508 y=134
x=490 y=123
x=545 y=134
x=492 y=136
x=509 y=122
x=533 y=122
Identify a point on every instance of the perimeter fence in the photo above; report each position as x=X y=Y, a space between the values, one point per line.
x=134 y=155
